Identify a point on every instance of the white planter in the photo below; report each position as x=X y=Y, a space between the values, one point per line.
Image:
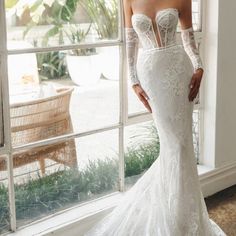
x=110 y=62
x=83 y=70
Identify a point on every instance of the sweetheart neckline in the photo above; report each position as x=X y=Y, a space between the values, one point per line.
x=155 y=19
x=157 y=13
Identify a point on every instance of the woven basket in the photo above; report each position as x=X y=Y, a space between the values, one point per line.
x=41 y=119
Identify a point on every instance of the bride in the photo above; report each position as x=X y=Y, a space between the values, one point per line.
x=166 y=76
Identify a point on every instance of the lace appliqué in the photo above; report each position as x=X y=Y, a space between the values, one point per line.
x=143 y=26
x=132 y=51
x=189 y=44
x=167 y=26
x=169 y=81
x=175 y=88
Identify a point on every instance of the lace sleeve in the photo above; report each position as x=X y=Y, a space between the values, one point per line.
x=132 y=52
x=189 y=44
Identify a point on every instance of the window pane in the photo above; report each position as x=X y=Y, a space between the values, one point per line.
x=141 y=150
x=56 y=177
x=4 y=206
x=196 y=14
x=38 y=23
x=57 y=93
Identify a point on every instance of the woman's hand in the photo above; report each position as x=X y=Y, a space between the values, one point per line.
x=142 y=96
x=195 y=84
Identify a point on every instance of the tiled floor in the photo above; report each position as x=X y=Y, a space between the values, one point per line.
x=222 y=209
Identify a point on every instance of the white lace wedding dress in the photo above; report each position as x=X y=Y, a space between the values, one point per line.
x=167 y=199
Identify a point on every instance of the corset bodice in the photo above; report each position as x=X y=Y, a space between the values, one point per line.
x=163 y=30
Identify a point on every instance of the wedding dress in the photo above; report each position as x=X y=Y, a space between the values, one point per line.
x=167 y=199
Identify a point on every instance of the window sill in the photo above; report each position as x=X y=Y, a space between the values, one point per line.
x=88 y=213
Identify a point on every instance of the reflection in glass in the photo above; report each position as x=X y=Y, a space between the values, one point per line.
x=42 y=23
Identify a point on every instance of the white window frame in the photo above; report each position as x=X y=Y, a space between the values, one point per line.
x=125 y=119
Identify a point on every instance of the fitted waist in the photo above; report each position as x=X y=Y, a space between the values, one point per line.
x=165 y=48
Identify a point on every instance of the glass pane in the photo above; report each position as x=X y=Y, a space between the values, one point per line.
x=4 y=206
x=196 y=15
x=196 y=11
x=56 y=177
x=57 y=93
x=38 y=23
x=141 y=150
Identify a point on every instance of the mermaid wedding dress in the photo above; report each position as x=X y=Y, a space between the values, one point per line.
x=167 y=199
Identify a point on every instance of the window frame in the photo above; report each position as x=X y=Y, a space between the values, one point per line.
x=125 y=119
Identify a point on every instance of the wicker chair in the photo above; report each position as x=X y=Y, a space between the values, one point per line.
x=41 y=119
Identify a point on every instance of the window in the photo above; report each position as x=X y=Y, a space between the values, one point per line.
x=72 y=112
x=1 y=118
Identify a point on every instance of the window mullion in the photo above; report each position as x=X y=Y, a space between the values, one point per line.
x=107 y=43
x=122 y=99
x=6 y=114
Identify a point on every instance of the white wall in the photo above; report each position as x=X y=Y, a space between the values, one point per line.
x=220 y=83
x=226 y=85
x=209 y=82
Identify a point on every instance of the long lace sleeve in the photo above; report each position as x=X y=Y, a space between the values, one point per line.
x=189 y=44
x=131 y=54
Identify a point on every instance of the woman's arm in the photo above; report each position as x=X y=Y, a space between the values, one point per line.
x=187 y=34
x=188 y=39
x=131 y=53
x=131 y=44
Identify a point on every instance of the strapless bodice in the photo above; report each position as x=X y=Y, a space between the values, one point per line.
x=161 y=32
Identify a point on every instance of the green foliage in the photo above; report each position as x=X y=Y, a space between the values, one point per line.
x=4 y=209
x=59 y=190
x=143 y=150
x=56 y=14
x=77 y=35
x=51 y=65
x=50 y=193
x=65 y=188
x=101 y=175
x=104 y=15
x=138 y=160
x=10 y=3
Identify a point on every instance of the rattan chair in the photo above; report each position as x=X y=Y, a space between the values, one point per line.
x=41 y=119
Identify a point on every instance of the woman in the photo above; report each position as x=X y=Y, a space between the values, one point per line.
x=167 y=199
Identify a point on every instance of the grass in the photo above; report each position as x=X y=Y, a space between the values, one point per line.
x=65 y=188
